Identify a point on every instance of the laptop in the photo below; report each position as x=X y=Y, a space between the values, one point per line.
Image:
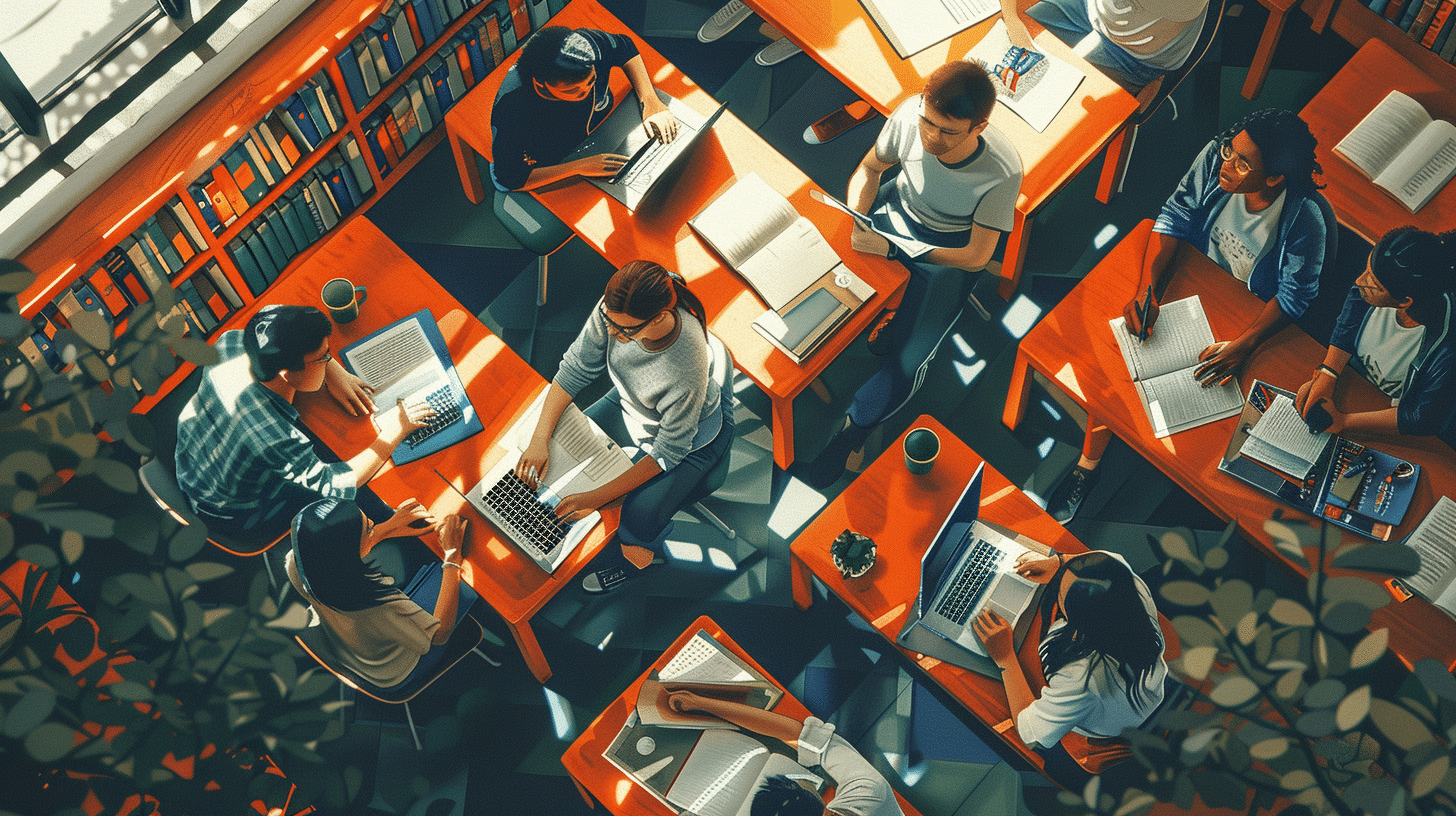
x=583 y=457
x=968 y=568
x=652 y=165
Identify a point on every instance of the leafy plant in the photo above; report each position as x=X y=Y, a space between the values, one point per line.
x=852 y=553
x=1296 y=704
x=166 y=695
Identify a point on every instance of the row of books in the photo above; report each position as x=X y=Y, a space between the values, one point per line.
x=267 y=152
x=327 y=193
x=1428 y=22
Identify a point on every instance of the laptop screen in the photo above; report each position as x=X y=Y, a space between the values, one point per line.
x=942 y=555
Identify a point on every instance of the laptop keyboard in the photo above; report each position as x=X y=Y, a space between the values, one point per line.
x=975 y=575
x=645 y=170
x=512 y=505
x=447 y=412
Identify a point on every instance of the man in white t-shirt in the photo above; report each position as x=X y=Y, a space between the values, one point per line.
x=955 y=187
x=1137 y=40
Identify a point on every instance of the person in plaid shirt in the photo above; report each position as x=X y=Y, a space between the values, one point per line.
x=244 y=460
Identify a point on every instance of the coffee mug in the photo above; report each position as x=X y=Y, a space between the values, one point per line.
x=921 y=448
x=343 y=299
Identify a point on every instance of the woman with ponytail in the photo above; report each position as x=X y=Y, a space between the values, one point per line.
x=1395 y=329
x=650 y=335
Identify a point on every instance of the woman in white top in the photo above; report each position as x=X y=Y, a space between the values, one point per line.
x=1137 y=41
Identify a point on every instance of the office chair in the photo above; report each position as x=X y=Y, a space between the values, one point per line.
x=714 y=478
x=1119 y=150
x=159 y=478
x=535 y=228
x=464 y=639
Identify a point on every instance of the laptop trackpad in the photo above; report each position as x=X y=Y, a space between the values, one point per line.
x=1009 y=598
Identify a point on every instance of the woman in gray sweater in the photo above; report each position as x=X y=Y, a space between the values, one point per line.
x=649 y=334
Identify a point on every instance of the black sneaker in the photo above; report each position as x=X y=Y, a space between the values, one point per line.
x=1070 y=491
x=613 y=571
x=829 y=465
x=879 y=339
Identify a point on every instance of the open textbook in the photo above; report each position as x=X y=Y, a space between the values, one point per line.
x=781 y=254
x=1403 y=150
x=1434 y=540
x=706 y=668
x=1162 y=369
x=1035 y=93
x=912 y=26
x=1281 y=440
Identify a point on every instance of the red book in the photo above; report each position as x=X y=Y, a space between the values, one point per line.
x=521 y=18
x=414 y=26
x=462 y=56
x=391 y=140
x=493 y=36
x=1393 y=10
x=1437 y=23
x=228 y=189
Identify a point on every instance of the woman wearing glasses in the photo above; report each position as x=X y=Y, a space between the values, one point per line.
x=1250 y=203
x=1395 y=329
x=649 y=334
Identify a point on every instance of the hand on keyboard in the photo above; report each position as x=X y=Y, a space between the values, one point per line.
x=1039 y=569
x=576 y=506
x=995 y=635
x=404 y=419
x=602 y=164
x=659 y=123
x=349 y=390
x=534 y=461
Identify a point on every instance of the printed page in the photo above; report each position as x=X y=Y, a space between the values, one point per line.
x=914 y=25
x=911 y=247
x=1281 y=440
x=1423 y=168
x=1434 y=540
x=1383 y=132
x=703 y=661
x=1036 y=97
x=1179 y=336
x=789 y=263
x=400 y=363
x=719 y=775
x=1177 y=402
x=744 y=218
x=576 y=439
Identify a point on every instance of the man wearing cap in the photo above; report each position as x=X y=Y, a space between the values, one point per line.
x=555 y=96
x=244 y=460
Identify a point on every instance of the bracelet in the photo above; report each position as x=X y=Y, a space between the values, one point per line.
x=452 y=564
x=1322 y=368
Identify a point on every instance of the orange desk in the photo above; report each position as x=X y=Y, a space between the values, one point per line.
x=1074 y=348
x=500 y=385
x=599 y=780
x=659 y=232
x=843 y=38
x=1374 y=71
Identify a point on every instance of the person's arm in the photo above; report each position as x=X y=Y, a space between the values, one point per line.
x=602 y=164
x=452 y=541
x=1015 y=26
x=995 y=635
x=348 y=390
x=657 y=120
x=864 y=182
x=1321 y=384
x=1219 y=362
x=781 y=727
x=579 y=505
x=394 y=426
x=537 y=456
x=1160 y=259
x=972 y=257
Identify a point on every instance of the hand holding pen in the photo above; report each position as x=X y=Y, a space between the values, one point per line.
x=1140 y=315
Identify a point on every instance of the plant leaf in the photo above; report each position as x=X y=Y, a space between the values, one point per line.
x=1291 y=613
x=1373 y=645
x=1381 y=558
x=1353 y=708
x=1234 y=691
x=49 y=742
x=1399 y=725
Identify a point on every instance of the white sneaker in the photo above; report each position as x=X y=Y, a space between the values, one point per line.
x=724 y=20
x=776 y=52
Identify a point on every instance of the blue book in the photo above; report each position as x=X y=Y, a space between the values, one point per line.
x=1445 y=33
x=334 y=178
x=292 y=224
x=430 y=26
x=171 y=260
x=280 y=229
x=260 y=252
x=382 y=29
x=308 y=211
x=439 y=78
x=351 y=184
x=1377 y=6
x=204 y=205
x=243 y=259
x=371 y=138
x=310 y=95
x=353 y=78
x=302 y=123
x=274 y=247
x=244 y=174
x=477 y=59
x=1408 y=17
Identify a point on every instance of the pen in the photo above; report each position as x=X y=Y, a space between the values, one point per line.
x=1143 y=315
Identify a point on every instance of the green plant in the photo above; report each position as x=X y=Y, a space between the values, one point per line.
x=1298 y=705
x=852 y=553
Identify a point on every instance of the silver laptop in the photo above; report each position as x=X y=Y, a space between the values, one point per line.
x=652 y=165
x=583 y=457
x=968 y=568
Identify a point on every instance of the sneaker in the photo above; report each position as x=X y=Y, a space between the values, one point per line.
x=1067 y=496
x=839 y=122
x=879 y=339
x=830 y=464
x=776 y=52
x=724 y=20
x=609 y=578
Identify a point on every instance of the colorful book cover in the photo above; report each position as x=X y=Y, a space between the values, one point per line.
x=384 y=30
x=423 y=98
x=439 y=77
x=353 y=78
x=477 y=59
x=338 y=188
x=260 y=252
x=280 y=140
x=315 y=98
x=376 y=148
x=226 y=198
x=161 y=244
x=452 y=74
x=261 y=157
x=408 y=13
x=245 y=175
x=175 y=235
x=365 y=58
x=430 y=27
x=462 y=58
x=493 y=37
x=328 y=210
x=208 y=294
x=124 y=272
x=184 y=217
x=1438 y=23
x=1445 y=32
x=303 y=127
x=203 y=200
x=104 y=280
x=223 y=285
x=520 y=19
x=352 y=153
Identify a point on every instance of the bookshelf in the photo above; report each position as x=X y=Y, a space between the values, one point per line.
x=306 y=54
x=1357 y=24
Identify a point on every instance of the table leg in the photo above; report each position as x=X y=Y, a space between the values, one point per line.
x=800 y=583
x=1114 y=163
x=1254 y=83
x=1015 y=255
x=531 y=650
x=783 y=431
x=1319 y=12
x=465 y=163
x=585 y=794
x=1017 y=392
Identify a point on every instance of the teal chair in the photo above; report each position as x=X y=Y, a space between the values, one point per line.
x=536 y=229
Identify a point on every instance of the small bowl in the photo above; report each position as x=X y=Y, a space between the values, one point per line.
x=845 y=540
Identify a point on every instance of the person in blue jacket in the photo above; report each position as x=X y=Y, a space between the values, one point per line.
x=1251 y=204
x=1395 y=329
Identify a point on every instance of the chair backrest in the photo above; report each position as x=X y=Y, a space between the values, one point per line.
x=159 y=479
x=722 y=362
x=1211 y=19
x=466 y=636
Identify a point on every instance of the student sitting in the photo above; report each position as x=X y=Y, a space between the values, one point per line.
x=1137 y=41
x=554 y=96
x=1250 y=203
x=374 y=628
x=1101 y=651
x=650 y=335
x=956 y=188
x=860 y=790
x=244 y=460
x=1395 y=329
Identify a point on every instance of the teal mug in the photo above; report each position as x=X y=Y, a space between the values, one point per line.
x=343 y=299
x=921 y=448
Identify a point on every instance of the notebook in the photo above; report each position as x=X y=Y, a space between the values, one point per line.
x=969 y=567
x=652 y=165
x=408 y=360
x=1162 y=369
x=583 y=457
x=912 y=26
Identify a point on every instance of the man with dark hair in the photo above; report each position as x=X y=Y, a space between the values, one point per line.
x=955 y=186
x=554 y=96
x=1251 y=204
x=244 y=460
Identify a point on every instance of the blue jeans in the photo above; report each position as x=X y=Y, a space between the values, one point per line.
x=1069 y=21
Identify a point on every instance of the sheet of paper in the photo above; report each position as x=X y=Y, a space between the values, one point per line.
x=909 y=246
x=1383 y=132
x=912 y=26
x=1434 y=540
x=1184 y=403
x=399 y=363
x=1282 y=440
x=1179 y=336
x=1040 y=95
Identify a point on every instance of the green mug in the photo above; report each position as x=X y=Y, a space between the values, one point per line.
x=921 y=448
x=342 y=298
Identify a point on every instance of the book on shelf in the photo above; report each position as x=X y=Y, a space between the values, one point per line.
x=1377 y=6
x=505 y=24
x=1402 y=150
x=348 y=61
x=249 y=180
x=520 y=19
x=1409 y=13
x=271 y=244
x=261 y=157
x=439 y=77
x=328 y=211
x=461 y=52
x=175 y=236
x=184 y=219
x=1448 y=51
x=452 y=73
x=156 y=240
x=404 y=40
x=1395 y=9
x=1434 y=540
x=425 y=16
x=280 y=229
x=298 y=205
x=426 y=89
x=415 y=89
x=260 y=253
x=300 y=122
x=86 y=314
x=540 y=11
x=383 y=31
x=289 y=224
x=243 y=260
x=1440 y=27
x=1162 y=369
x=349 y=147
x=407 y=13
x=808 y=289
x=490 y=25
x=203 y=200
x=403 y=111
x=1427 y=21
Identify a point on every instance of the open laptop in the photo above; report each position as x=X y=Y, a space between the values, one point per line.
x=969 y=567
x=583 y=457
x=651 y=165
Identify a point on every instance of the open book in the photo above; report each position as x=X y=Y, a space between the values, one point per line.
x=1403 y=150
x=1034 y=89
x=1281 y=440
x=1162 y=369
x=781 y=254
x=1434 y=540
x=705 y=667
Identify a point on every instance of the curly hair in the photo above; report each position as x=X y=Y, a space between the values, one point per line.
x=1285 y=144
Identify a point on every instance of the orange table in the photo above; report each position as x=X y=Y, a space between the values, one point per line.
x=843 y=38
x=1074 y=347
x=601 y=781
x=660 y=233
x=1374 y=71
x=500 y=386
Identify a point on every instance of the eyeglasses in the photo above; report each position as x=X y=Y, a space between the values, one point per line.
x=1241 y=164
x=625 y=331
x=327 y=355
